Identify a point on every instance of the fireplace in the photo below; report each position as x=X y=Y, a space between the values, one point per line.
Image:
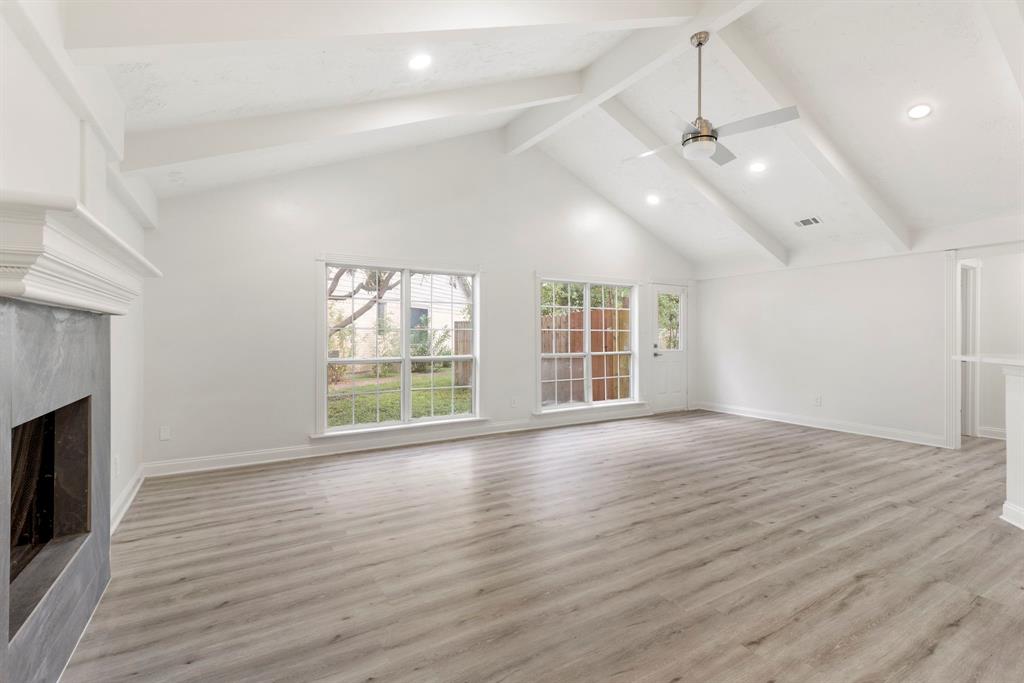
x=62 y=274
x=54 y=483
x=49 y=489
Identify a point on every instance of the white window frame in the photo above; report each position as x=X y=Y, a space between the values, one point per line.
x=406 y=359
x=634 y=335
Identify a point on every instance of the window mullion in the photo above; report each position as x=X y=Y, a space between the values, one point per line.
x=405 y=400
x=587 y=394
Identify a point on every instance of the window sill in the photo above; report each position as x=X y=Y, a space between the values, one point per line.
x=604 y=405
x=341 y=433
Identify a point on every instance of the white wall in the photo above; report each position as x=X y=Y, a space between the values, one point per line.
x=126 y=375
x=230 y=329
x=45 y=148
x=1002 y=333
x=39 y=135
x=868 y=337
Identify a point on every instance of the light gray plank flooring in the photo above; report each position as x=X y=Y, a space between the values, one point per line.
x=693 y=547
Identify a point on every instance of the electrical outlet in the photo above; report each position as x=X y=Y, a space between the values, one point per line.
x=514 y=402
x=817 y=400
x=165 y=433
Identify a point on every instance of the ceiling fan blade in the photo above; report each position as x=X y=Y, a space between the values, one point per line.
x=682 y=125
x=771 y=118
x=722 y=155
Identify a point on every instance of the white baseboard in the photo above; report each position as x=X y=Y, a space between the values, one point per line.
x=1014 y=514
x=125 y=498
x=992 y=433
x=833 y=425
x=354 y=442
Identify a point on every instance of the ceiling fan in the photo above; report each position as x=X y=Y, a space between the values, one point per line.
x=700 y=138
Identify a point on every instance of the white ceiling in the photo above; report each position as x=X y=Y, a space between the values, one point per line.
x=855 y=68
x=260 y=80
x=879 y=181
x=598 y=152
x=865 y=64
x=790 y=189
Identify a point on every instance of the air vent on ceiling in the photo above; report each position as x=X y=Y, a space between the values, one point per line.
x=806 y=222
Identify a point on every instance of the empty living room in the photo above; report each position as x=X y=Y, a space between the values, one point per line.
x=512 y=341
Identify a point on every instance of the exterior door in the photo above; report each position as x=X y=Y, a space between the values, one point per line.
x=668 y=383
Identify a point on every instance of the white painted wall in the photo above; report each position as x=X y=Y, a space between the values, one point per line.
x=868 y=337
x=1002 y=333
x=45 y=148
x=126 y=375
x=39 y=135
x=230 y=328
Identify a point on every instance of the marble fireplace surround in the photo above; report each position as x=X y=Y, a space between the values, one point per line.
x=53 y=357
x=62 y=274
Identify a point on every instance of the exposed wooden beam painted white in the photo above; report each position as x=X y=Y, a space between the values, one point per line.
x=630 y=61
x=643 y=133
x=151 y=149
x=109 y=31
x=1006 y=19
x=1007 y=229
x=734 y=51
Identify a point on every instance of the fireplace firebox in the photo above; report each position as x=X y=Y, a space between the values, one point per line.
x=49 y=496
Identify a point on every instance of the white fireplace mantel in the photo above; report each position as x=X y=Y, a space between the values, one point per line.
x=54 y=252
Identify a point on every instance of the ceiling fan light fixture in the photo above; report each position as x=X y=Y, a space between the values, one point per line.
x=699 y=148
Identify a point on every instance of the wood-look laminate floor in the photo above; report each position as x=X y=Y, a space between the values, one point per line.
x=691 y=548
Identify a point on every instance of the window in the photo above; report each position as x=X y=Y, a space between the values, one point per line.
x=586 y=343
x=668 y=321
x=400 y=346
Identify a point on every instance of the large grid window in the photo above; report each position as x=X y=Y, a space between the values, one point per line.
x=400 y=346
x=586 y=343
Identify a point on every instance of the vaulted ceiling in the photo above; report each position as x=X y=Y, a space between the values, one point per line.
x=216 y=96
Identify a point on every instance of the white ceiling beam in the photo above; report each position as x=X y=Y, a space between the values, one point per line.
x=113 y=31
x=735 y=52
x=649 y=139
x=1006 y=20
x=163 y=147
x=632 y=60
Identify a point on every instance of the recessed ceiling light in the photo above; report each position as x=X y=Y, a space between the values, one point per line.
x=919 y=111
x=420 y=62
x=757 y=167
x=653 y=199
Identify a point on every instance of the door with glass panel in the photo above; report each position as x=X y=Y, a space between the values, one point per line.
x=668 y=379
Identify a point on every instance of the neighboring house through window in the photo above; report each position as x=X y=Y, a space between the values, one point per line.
x=400 y=346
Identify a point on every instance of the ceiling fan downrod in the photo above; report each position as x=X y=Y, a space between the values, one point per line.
x=699 y=40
